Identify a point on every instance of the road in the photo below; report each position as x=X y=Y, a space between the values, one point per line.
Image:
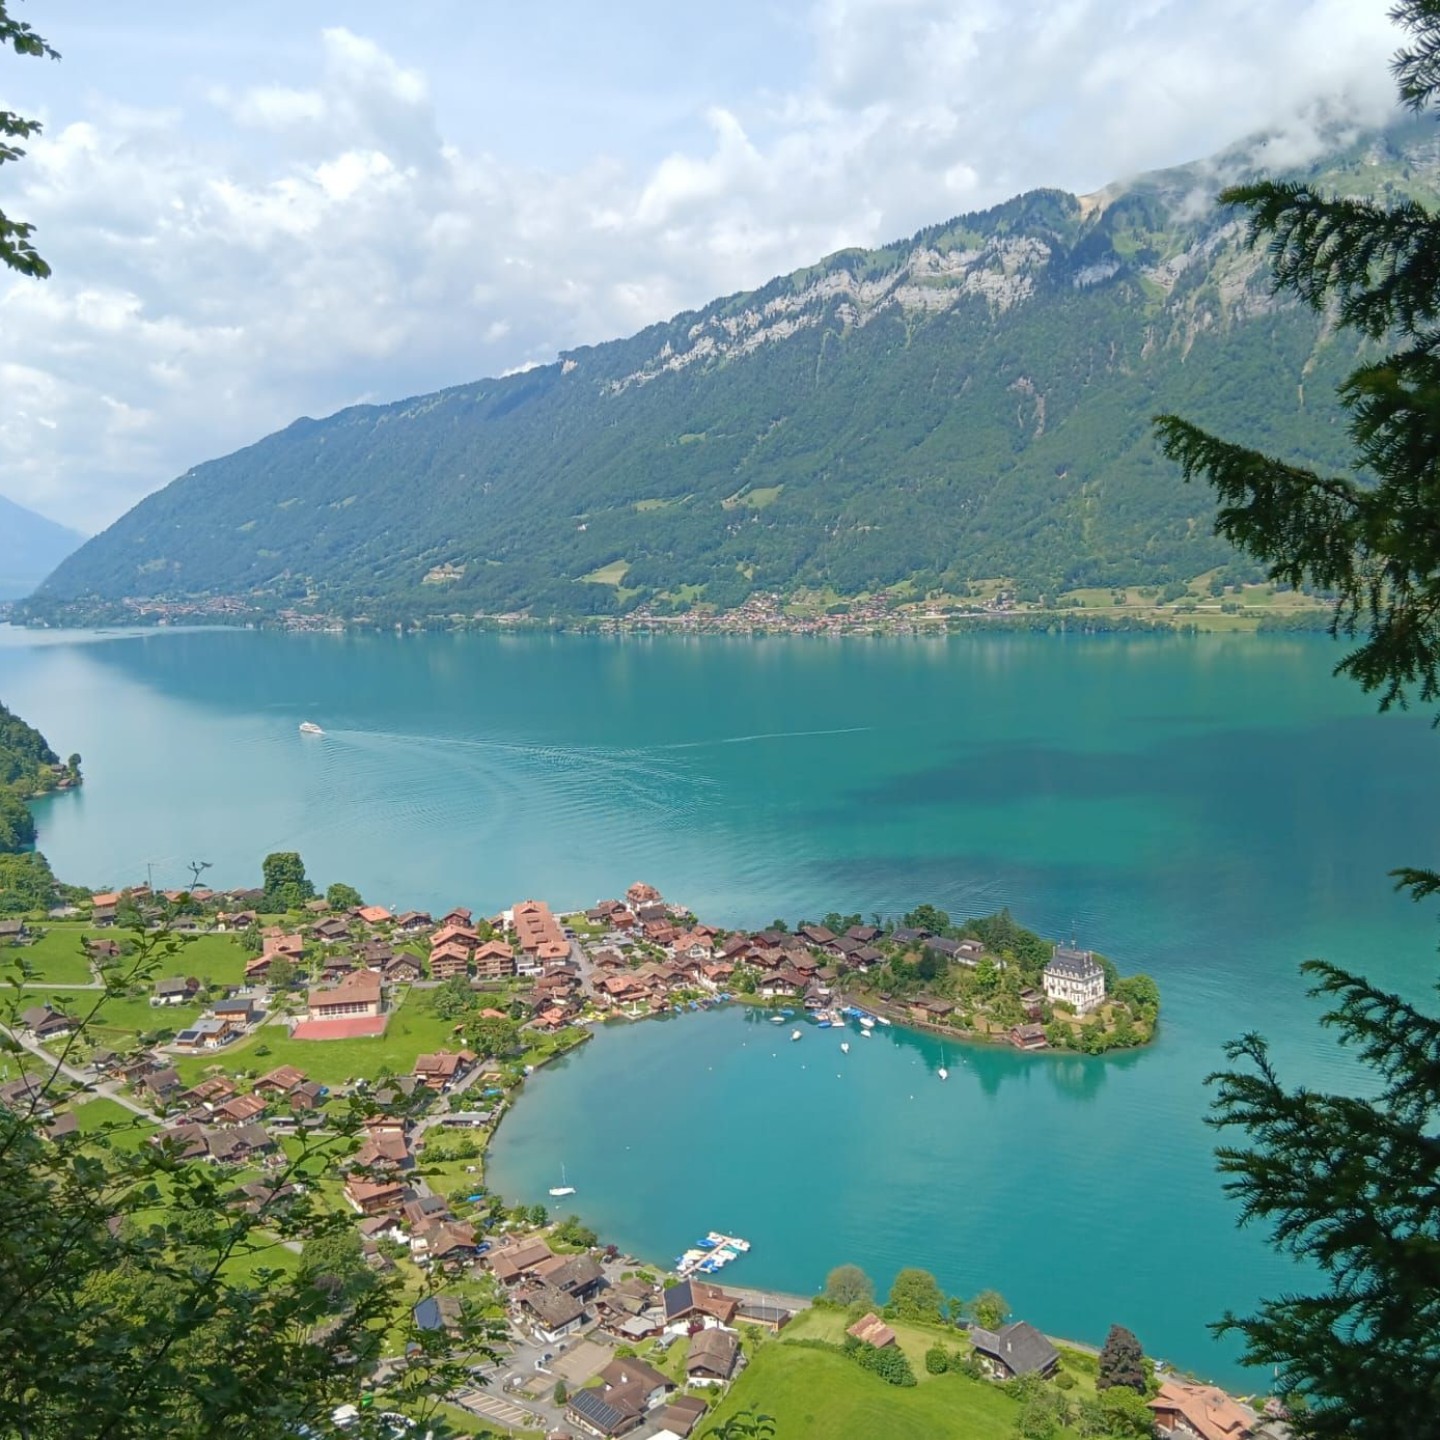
x=106 y=1088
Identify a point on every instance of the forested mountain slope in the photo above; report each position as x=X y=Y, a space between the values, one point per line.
x=30 y=548
x=973 y=402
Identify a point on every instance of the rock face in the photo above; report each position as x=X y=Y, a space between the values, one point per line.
x=971 y=403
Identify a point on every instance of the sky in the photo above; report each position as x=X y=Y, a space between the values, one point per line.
x=256 y=212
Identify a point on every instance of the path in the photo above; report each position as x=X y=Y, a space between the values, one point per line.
x=108 y=1089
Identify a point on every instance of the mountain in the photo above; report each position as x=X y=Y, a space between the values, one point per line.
x=30 y=548
x=969 y=404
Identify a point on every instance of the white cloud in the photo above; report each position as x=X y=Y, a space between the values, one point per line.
x=236 y=256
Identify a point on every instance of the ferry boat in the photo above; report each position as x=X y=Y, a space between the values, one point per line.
x=309 y=727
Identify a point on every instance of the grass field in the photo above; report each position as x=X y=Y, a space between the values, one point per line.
x=611 y=574
x=817 y=1392
x=413 y=1030
x=127 y=1130
x=57 y=957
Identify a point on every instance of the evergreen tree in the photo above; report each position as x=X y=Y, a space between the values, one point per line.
x=1350 y=1184
x=1122 y=1362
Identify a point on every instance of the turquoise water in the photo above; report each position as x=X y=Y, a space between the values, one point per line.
x=1210 y=810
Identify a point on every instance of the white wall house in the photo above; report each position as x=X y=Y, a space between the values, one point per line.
x=1076 y=977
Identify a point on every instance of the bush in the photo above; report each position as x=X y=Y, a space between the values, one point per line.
x=889 y=1364
x=937 y=1362
x=1065 y=1380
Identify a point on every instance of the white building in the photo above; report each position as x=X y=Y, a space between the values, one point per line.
x=1076 y=977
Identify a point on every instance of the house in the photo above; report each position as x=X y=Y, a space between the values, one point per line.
x=682 y=1415
x=239 y=1010
x=240 y=1110
x=577 y=1275
x=494 y=960
x=258 y=968
x=437 y=1312
x=44 y=1023
x=931 y=1012
x=13 y=932
x=450 y=934
x=103 y=915
x=767 y=1317
x=162 y=1084
x=590 y=1411
x=103 y=949
x=280 y=1081
x=443 y=1242
x=374 y=914
x=449 y=960
x=458 y=916
x=712 y=1358
x=693 y=1299
x=1075 y=977
x=441 y=1070
x=401 y=970
x=553 y=1314
x=291 y=947
x=1028 y=1037
x=333 y=931
x=511 y=1262
x=384 y=1149
x=357 y=994
x=872 y=1330
x=1016 y=1349
x=537 y=932
x=371 y=1197
x=25 y=1094
x=309 y=1096
x=210 y=1092
x=1200 y=1412
x=207 y=1034
x=650 y=1384
x=238 y=1146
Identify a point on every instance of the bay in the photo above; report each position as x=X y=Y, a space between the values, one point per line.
x=1211 y=810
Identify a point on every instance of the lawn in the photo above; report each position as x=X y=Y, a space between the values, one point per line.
x=817 y=1392
x=57 y=957
x=127 y=1131
x=414 y=1029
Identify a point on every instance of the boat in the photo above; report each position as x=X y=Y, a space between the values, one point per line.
x=867 y=1022
x=309 y=727
x=864 y=1034
x=882 y=1019
x=794 y=1034
x=564 y=1187
x=942 y=1072
x=845 y=1046
x=777 y=1019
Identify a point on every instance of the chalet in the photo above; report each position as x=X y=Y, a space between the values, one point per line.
x=13 y=932
x=870 y=1329
x=401 y=970
x=240 y=1110
x=781 y=982
x=539 y=936
x=437 y=1312
x=265 y=1195
x=682 y=1415
x=413 y=922
x=931 y=1011
x=694 y=1300
x=590 y=1411
x=239 y=1010
x=103 y=915
x=553 y=1314
x=716 y=976
x=692 y=946
x=455 y=935
x=207 y=1034
x=1075 y=977
x=162 y=1084
x=46 y=1024
x=236 y=920
x=1189 y=1411
x=645 y=913
x=107 y=900
x=318 y=906
x=512 y=1262
x=309 y=1096
x=423 y=1210
x=238 y=1146
x=292 y=947
x=384 y=1149
x=660 y=932
x=458 y=916
x=816 y=935
x=443 y=1242
x=577 y=1275
x=1028 y=1037
x=25 y=1094
x=357 y=994
x=651 y=1385
x=865 y=934
x=103 y=949
x=1016 y=1349
x=375 y=954
x=374 y=914
x=212 y=1091
x=280 y=1081
x=372 y=1197
x=910 y=935
x=713 y=1356
x=768 y=1317
x=642 y=894
x=441 y=1070
x=333 y=931
x=336 y=968
x=258 y=968
x=494 y=960
x=449 y=960
x=183 y=1142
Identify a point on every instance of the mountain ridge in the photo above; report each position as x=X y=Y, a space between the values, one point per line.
x=968 y=403
x=31 y=546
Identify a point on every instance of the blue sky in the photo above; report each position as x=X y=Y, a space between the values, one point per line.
x=261 y=211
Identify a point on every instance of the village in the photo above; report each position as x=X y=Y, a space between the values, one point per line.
x=260 y=1032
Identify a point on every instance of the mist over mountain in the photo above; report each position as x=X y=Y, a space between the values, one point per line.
x=971 y=403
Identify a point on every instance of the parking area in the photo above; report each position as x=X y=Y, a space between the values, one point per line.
x=502 y=1412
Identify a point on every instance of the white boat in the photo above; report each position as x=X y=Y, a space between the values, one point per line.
x=942 y=1072
x=867 y=1022
x=777 y=1019
x=794 y=1034
x=309 y=727
x=882 y=1019
x=845 y=1046
x=864 y=1034
x=564 y=1187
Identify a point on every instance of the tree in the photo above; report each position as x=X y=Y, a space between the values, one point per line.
x=937 y=1359
x=916 y=1295
x=1349 y=1183
x=343 y=897
x=988 y=1309
x=849 y=1285
x=490 y=1036
x=334 y=1264
x=927 y=917
x=286 y=885
x=1122 y=1361
x=560 y=1394
x=16 y=248
x=453 y=998
x=281 y=973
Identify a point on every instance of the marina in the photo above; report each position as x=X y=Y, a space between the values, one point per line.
x=710 y=1255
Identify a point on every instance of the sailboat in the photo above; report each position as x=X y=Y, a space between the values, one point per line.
x=845 y=1046
x=942 y=1072
x=564 y=1187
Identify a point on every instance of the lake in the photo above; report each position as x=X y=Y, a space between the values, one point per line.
x=1211 y=810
